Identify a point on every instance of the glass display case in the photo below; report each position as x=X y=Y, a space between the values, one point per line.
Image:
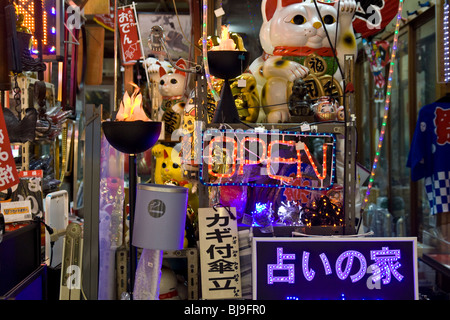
x=399 y=141
x=404 y=203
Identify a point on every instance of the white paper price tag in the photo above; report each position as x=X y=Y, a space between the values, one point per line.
x=242 y=83
x=16 y=211
x=219 y=12
x=305 y=127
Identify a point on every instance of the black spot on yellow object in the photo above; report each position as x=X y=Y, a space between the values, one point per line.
x=280 y=63
x=349 y=40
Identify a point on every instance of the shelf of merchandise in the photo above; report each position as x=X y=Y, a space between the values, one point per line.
x=26 y=86
x=344 y=129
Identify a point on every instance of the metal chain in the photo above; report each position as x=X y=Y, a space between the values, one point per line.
x=17 y=98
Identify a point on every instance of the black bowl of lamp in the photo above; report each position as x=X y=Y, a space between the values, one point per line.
x=227 y=65
x=132 y=137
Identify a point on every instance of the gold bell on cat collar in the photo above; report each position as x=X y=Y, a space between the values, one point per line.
x=160 y=216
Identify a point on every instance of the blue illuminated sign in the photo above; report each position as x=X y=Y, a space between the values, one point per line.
x=324 y=268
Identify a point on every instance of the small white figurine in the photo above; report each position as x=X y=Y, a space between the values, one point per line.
x=168 y=285
x=172 y=87
x=152 y=65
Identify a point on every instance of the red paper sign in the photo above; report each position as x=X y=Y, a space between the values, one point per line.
x=31 y=173
x=8 y=172
x=129 y=35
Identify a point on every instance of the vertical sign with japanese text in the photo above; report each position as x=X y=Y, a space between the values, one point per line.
x=219 y=253
x=347 y=268
x=129 y=35
x=8 y=172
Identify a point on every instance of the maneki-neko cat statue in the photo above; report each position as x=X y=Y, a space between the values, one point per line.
x=172 y=86
x=301 y=38
x=153 y=66
x=246 y=97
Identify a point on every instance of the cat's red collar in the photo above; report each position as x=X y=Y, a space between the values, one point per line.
x=302 y=51
x=168 y=295
x=171 y=97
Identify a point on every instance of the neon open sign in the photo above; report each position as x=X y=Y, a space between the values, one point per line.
x=337 y=268
x=268 y=158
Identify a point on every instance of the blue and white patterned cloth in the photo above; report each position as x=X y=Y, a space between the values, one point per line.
x=429 y=156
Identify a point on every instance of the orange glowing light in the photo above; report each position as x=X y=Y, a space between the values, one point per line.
x=246 y=161
x=27 y=10
x=271 y=159
x=131 y=107
x=226 y=43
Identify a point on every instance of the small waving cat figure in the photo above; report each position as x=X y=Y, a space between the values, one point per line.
x=169 y=171
x=293 y=29
x=171 y=88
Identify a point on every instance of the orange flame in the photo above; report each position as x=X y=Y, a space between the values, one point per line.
x=226 y=43
x=131 y=107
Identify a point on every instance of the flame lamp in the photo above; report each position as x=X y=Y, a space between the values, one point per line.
x=132 y=132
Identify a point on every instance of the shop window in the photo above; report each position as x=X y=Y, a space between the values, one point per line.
x=398 y=144
x=425 y=88
x=413 y=86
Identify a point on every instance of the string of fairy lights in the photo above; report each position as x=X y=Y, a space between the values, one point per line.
x=27 y=10
x=386 y=106
x=214 y=93
x=446 y=41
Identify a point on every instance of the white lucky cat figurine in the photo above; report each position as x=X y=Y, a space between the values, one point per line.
x=152 y=65
x=293 y=29
x=172 y=87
